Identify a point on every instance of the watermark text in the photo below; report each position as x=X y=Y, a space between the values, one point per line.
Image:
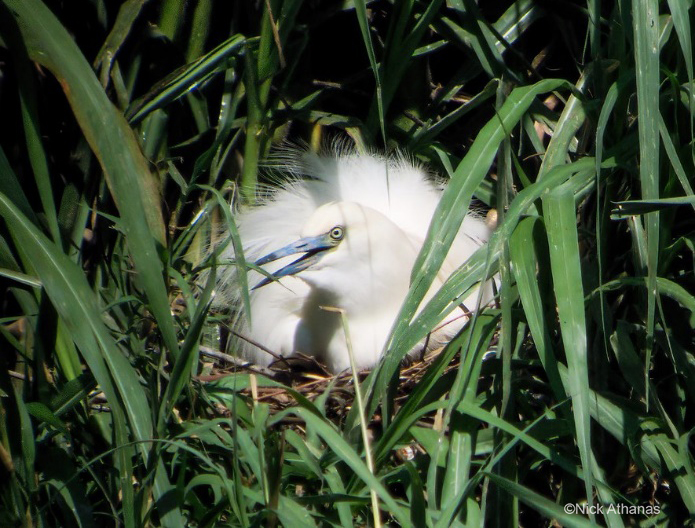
x=647 y=510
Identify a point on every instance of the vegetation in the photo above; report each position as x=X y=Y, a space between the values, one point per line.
x=127 y=129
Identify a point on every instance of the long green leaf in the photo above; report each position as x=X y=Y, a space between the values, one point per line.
x=645 y=21
x=133 y=186
x=565 y=263
x=450 y=212
x=75 y=302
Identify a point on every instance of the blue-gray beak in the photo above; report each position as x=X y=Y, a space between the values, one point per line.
x=314 y=248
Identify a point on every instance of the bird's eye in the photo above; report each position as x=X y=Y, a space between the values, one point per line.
x=337 y=233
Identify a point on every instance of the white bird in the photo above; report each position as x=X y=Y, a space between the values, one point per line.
x=344 y=232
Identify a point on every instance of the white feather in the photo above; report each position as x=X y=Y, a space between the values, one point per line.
x=386 y=205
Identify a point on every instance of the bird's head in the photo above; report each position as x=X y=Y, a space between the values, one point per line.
x=346 y=246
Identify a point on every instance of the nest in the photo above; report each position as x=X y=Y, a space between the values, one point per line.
x=306 y=376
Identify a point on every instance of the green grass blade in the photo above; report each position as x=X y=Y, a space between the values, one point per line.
x=74 y=301
x=463 y=426
x=361 y=12
x=645 y=19
x=32 y=133
x=524 y=264
x=346 y=453
x=673 y=157
x=685 y=482
x=239 y=260
x=202 y=18
x=76 y=304
x=540 y=503
x=427 y=390
x=127 y=14
x=130 y=180
x=565 y=263
x=187 y=365
x=681 y=22
x=10 y=187
x=183 y=80
x=452 y=209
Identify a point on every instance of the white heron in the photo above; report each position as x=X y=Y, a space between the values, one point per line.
x=344 y=232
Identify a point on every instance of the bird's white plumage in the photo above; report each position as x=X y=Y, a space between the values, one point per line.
x=384 y=206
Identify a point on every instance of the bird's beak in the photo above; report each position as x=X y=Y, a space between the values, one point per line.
x=314 y=249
